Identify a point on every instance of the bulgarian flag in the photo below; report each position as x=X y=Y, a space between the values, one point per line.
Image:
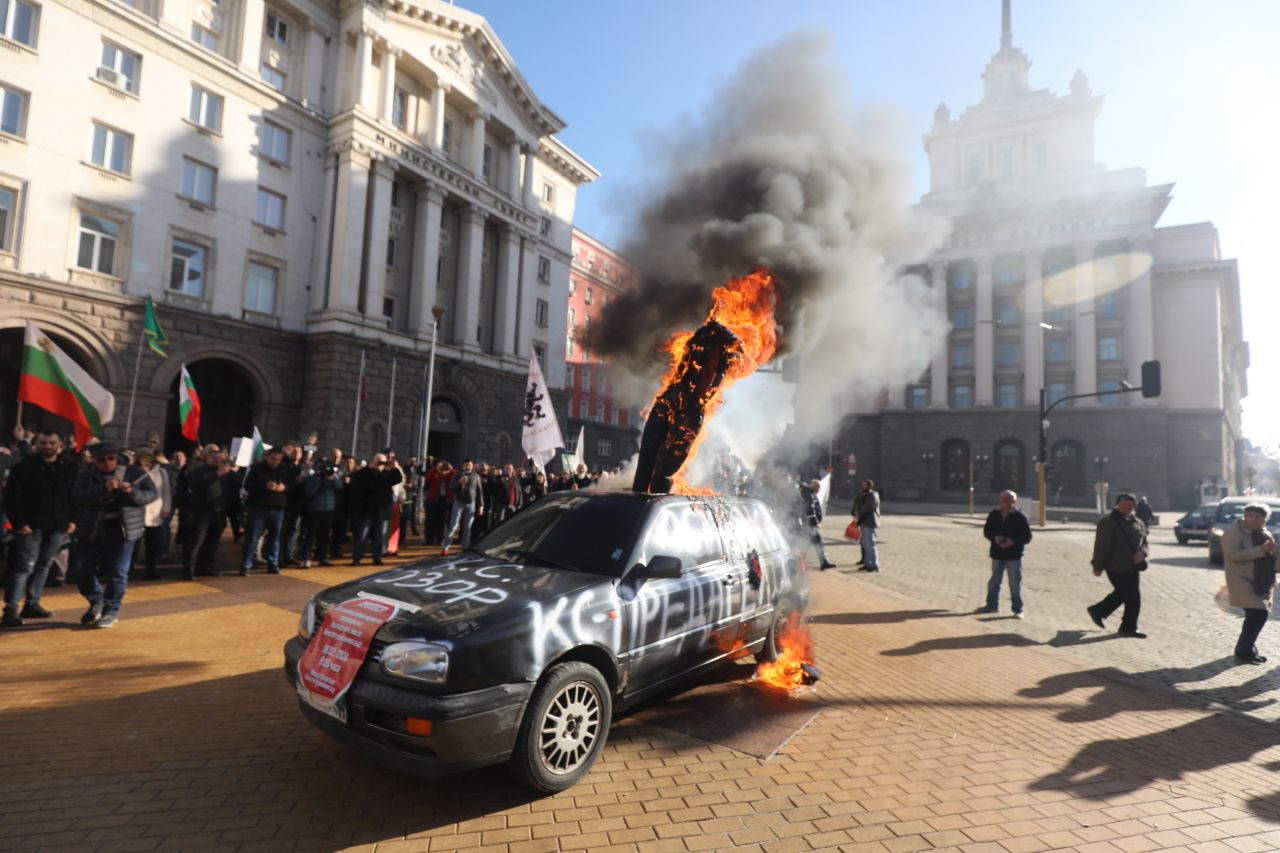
x=188 y=407
x=52 y=381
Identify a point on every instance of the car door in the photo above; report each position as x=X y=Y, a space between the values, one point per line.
x=672 y=623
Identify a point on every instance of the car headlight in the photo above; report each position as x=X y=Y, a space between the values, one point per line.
x=1217 y=532
x=418 y=661
x=307 y=622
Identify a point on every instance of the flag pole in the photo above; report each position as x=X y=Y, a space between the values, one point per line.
x=133 y=391
x=391 y=403
x=355 y=423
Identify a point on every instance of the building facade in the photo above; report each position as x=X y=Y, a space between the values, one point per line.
x=597 y=275
x=298 y=186
x=1058 y=276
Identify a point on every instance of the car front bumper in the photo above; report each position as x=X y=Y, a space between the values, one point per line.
x=1191 y=532
x=468 y=729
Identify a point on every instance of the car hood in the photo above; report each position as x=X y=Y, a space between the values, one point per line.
x=452 y=596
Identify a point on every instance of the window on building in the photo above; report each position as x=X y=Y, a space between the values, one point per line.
x=446 y=137
x=8 y=218
x=962 y=355
x=395 y=194
x=199 y=182
x=1007 y=395
x=586 y=379
x=277 y=29
x=99 y=238
x=1008 y=274
x=540 y=350
x=110 y=148
x=599 y=412
x=540 y=308
x=270 y=209
x=573 y=286
x=260 y=289
x=389 y=307
x=1057 y=351
x=1042 y=156
x=962 y=397
x=544 y=269
x=962 y=279
x=19 y=21
x=206 y=109
x=274 y=77
x=1007 y=353
x=613 y=415
x=1056 y=315
x=400 y=108
x=962 y=318
x=573 y=318
x=1054 y=392
x=973 y=170
x=544 y=226
x=568 y=375
x=569 y=346
x=917 y=397
x=1007 y=314
x=207 y=39
x=548 y=193
x=1109 y=305
x=275 y=142
x=392 y=246
x=13 y=110
x=119 y=67
x=486 y=164
x=604 y=446
x=1111 y=399
x=1006 y=159
x=187 y=262
x=591 y=296
x=602 y=383
x=1108 y=349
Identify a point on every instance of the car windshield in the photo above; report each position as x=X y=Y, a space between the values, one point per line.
x=1228 y=513
x=580 y=532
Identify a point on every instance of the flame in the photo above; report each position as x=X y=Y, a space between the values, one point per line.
x=744 y=306
x=796 y=644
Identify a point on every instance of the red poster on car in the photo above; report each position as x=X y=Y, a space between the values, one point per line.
x=333 y=657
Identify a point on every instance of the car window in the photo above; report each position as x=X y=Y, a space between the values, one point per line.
x=760 y=523
x=684 y=530
x=593 y=534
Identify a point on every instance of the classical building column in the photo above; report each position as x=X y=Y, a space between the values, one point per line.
x=478 y=122
x=530 y=154
x=527 y=292
x=1085 y=333
x=314 y=94
x=345 y=261
x=508 y=292
x=468 y=301
x=1032 y=334
x=426 y=258
x=1138 y=327
x=318 y=291
x=389 y=82
x=364 y=59
x=984 y=337
x=251 y=37
x=437 y=117
x=513 y=171
x=375 y=264
x=938 y=367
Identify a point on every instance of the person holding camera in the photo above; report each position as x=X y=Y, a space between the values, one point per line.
x=1120 y=549
x=371 y=493
x=321 y=492
x=1249 y=557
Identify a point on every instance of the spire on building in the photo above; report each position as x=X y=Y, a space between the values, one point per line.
x=1008 y=73
x=1006 y=25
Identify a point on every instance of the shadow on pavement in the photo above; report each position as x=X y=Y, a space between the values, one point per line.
x=880 y=618
x=978 y=641
x=1200 y=562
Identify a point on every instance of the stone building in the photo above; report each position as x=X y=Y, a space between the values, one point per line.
x=596 y=276
x=295 y=185
x=1058 y=276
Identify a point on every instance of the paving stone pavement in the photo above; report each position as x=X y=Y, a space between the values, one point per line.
x=177 y=731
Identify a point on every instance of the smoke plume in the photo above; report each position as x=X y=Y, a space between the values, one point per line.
x=781 y=172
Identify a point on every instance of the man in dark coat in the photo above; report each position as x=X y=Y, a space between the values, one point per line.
x=109 y=499
x=205 y=511
x=38 y=497
x=266 y=484
x=1120 y=550
x=866 y=511
x=1009 y=533
x=371 y=495
x=811 y=519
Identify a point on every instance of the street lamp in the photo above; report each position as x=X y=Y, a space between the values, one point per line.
x=437 y=313
x=1042 y=455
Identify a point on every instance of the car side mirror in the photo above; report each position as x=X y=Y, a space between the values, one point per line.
x=663 y=566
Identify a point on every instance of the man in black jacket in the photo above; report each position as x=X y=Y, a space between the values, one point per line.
x=206 y=508
x=266 y=484
x=371 y=497
x=1009 y=533
x=39 y=503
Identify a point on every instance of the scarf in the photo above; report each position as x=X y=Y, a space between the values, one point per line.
x=1264 y=568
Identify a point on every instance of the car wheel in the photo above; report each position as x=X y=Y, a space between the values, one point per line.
x=781 y=616
x=1182 y=540
x=564 y=728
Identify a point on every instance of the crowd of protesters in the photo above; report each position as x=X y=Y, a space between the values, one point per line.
x=92 y=518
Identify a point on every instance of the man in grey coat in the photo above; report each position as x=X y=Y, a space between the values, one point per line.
x=1249 y=557
x=468 y=493
x=866 y=509
x=1120 y=549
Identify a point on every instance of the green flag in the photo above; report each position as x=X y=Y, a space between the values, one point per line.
x=156 y=337
x=259 y=447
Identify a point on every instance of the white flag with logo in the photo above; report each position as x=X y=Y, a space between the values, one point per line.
x=579 y=449
x=541 y=437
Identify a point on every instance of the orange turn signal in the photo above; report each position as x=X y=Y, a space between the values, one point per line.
x=417 y=726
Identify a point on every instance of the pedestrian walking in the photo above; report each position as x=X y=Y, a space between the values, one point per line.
x=467 y=491
x=38 y=503
x=811 y=520
x=1249 y=556
x=266 y=484
x=1009 y=533
x=866 y=509
x=1120 y=549
x=109 y=500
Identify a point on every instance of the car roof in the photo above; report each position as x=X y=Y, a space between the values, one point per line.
x=1271 y=501
x=646 y=497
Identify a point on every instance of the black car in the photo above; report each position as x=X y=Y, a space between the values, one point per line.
x=1226 y=513
x=522 y=647
x=1195 y=524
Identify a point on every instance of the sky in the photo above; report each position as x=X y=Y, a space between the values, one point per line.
x=1190 y=89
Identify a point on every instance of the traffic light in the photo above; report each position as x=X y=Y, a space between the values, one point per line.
x=1151 y=379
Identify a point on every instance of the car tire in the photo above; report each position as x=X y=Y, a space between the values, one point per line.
x=1182 y=540
x=1215 y=556
x=771 y=651
x=565 y=727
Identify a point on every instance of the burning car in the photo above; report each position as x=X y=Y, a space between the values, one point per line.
x=522 y=648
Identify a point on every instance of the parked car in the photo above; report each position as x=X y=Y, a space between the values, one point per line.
x=1230 y=509
x=523 y=647
x=1195 y=524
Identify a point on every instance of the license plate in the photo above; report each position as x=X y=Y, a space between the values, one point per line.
x=338 y=710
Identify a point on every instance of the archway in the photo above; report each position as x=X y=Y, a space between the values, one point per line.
x=33 y=417
x=1009 y=471
x=445 y=439
x=955 y=465
x=1068 y=477
x=226 y=404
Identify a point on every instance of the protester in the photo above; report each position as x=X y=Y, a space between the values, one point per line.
x=154 y=515
x=38 y=504
x=321 y=492
x=343 y=521
x=109 y=500
x=296 y=465
x=205 y=510
x=266 y=484
x=371 y=497
x=438 y=503
x=467 y=494
x=512 y=493
x=811 y=518
x=1120 y=549
x=534 y=487
x=1009 y=532
x=1249 y=556
x=866 y=510
x=1144 y=512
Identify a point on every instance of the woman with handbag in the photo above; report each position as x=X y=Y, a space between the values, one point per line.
x=1120 y=549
